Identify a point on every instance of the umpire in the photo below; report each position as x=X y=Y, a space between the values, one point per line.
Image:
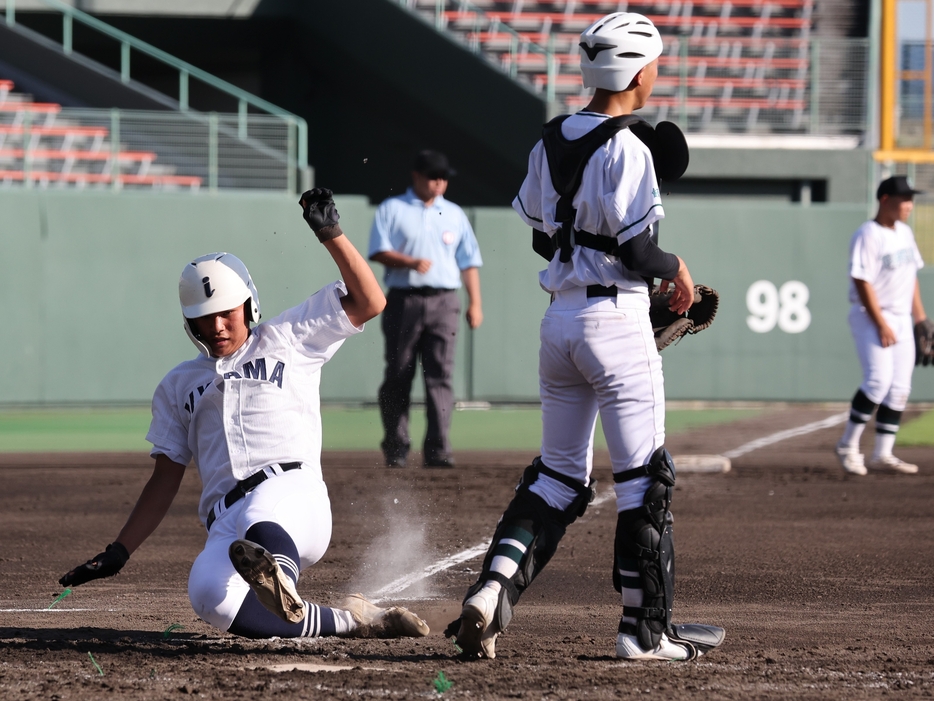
x=429 y=249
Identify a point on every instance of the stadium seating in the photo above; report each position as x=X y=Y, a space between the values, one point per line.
x=40 y=147
x=728 y=65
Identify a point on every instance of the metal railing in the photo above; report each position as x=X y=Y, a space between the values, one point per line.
x=243 y=125
x=132 y=149
x=708 y=82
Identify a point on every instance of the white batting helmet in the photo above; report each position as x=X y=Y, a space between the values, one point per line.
x=615 y=48
x=216 y=283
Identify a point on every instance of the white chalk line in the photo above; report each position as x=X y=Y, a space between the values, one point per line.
x=47 y=610
x=403 y=583
x=408 y=580
x=829 y=422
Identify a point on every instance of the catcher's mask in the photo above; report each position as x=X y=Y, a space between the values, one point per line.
x=216 y=283
x=614 y=49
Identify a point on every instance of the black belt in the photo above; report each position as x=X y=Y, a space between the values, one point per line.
x=246 y=486
x=601 y=291
x=420 y=291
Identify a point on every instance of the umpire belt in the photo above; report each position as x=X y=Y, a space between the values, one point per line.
x=246 y=486
x=419 y=291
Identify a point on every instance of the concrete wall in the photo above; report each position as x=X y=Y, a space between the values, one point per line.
x=844 y=173
x=88 y=283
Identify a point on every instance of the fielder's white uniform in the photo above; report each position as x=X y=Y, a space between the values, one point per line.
x=597 y=354
x=251 y=411
x=889 y=261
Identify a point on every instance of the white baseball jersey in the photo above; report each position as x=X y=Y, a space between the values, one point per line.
x=889 y=261
x=618 y=197
x=257 y=407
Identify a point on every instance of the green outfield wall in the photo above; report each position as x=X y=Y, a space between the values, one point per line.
x=88 y=283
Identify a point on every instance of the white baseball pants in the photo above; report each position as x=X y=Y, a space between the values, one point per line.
x=886 y=371
x=598 y=355
x=296 y=500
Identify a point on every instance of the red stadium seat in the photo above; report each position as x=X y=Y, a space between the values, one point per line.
x=67 y=153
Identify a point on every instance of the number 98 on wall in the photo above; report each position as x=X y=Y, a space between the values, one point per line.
x=785 y=306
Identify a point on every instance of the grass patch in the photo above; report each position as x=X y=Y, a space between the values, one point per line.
x=124 y=429
x=500 y=428
x=74 y=430
x=917 y=432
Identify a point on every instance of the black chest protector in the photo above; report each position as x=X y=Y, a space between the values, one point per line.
x=567 y=159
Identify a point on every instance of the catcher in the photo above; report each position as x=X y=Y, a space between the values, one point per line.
x=246 y=411
x=592 y=199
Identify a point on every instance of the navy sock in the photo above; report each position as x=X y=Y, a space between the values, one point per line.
x=253 y=620
x=278 y=543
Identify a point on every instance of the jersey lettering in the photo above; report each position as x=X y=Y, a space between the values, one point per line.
x=190 y=404
x=254 y=369
x=891 y=261
x=258 y=372
x=277 y=373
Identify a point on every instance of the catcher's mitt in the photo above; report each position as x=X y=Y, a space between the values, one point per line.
x=924 y=342
x=670 y=327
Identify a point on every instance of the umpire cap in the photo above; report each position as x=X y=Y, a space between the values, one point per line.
x=433 y=164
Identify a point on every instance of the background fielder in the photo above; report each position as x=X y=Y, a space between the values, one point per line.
x=247 y=413
x=886 y=314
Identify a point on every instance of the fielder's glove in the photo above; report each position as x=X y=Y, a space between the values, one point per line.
x=106 y=564
x=320 y=213
x=924 y=342
x=670 y=327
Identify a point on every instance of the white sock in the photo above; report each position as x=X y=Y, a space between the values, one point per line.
x=851 y=434
x=343 y=621
x=885 y=442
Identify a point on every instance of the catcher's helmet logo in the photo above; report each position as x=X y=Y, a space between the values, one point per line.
x=592 y=51
x=208 y=292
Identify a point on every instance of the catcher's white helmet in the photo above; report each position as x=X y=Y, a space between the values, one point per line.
x=615 y=48
x=216 y=283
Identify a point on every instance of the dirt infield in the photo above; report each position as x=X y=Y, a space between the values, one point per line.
x=824 y=583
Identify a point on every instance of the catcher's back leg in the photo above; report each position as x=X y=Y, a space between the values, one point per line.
x=644 y=573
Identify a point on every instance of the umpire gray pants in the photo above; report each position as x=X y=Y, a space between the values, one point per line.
x=419 y=323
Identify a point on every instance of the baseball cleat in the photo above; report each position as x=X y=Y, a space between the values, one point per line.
x=273 y=588
x=889 y=463
x=682 y=642
x=477 y=633
x=439 y=461
x=376 y=622
x=851 y=460
x=627 y=648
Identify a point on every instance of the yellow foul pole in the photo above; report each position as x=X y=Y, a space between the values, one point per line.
x=888 y=70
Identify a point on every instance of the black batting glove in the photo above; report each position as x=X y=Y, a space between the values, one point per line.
x=106 y=564
x=319 y=211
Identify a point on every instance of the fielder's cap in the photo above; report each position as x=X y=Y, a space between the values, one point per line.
x=433 y=164
x=896 y=185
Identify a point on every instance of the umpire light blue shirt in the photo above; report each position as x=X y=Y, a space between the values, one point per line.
x=440 y=233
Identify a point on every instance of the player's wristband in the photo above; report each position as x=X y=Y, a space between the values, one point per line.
x=326 y=233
